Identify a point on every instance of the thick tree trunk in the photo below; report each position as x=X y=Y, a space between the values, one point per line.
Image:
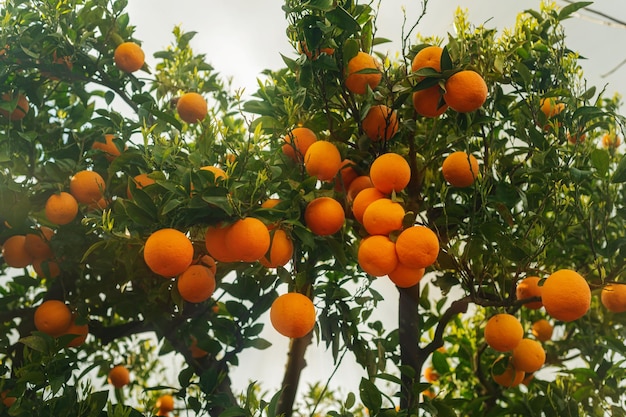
x=295 y=365
x=409 y=334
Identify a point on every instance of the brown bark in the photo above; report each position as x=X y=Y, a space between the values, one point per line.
x=295 y=364
x=409 y=335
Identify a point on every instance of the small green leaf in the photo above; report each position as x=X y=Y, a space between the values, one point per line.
x=570 y=9
x=343 y=20
x=370 y=396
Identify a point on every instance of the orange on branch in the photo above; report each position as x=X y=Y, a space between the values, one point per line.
x=297 y=143
x=611 y=141
x=460 y=169
x=528 y=288
x=542 y=330
x=406 y=277
x=377 y=255
x=347 y=174
x=141 y=180
x=550 y=108
x=357 y=185
x=87 y=186
x=129 y=57
x=37 y=243
x=324 y=216
x=510 y=377
x=209 y=262
x=363 y=200
x=417 y=247
x=322 y=160
x=362 y=72
x=168 y=252
x=15 y=253
x=428 y=57
x=108 y=147
x=429 y=102
x=79 y=330
x=61 y=208
x=293 y=315
x=528 y=356
x=380 y=123
x=390 y=172
x=165 y=403
x=119 y=376
x=383 y=216
x=248 y=239
x=192 y=107
x=218 y=173
x=21 y=107
x=430 y=375
x=466 y=91
x=196 y=284
x=215 y=242
x=53 y=317
x=566 y=295
x=613 y=297
x=503 y=332
x=46 y=268
x=280 y=252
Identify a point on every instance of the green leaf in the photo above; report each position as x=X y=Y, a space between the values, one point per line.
x=258 y=343
x=343 y=20
x=619 y=175
x=443 y=409
x=370 y=396
x=440 y=363
x=570 y=9
x=600 y=159
x=35 y=342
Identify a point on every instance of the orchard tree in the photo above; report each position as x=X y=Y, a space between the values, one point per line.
x=148 y=210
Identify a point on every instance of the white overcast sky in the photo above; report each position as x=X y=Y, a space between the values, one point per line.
x=243 y=37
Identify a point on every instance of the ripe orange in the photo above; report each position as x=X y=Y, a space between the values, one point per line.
x=550 y=108
x=280 y=252
x=510 y=377
x=140 y=181
x=108 y=147
x=7 y=400
x=527 y=288
x=322 y=160
x=297 y=142
x=168 y=252
x=87 y=186
x=61 y=208
x=46 y=268
x=566 y=295
x=430 y=375
x=363 y=200
x=324 y=216
x=528 y=356
x=129 y=57
x=215 y=242
x=293 y=315
x=21 y=107
x=460 y=169
x=302 y=48
x=380 y=123
x=613 y=297
x=218 y=173
x=37 y=245
x=405 y=277
x=417 y=247
x=347 y=174
x=271 y=203
x=390 y=172
x=79 y=330
x=53 y=317
x=192 y=107
x=165 y=403
x=503 y=332
x=542 y=330
x=428 y=57
x=209 y=262
x=362 y=71
x=119 y=376
x=611 y=140
x=248 y=239
x=196 y=352
x=196 y=284
x=429 y=102
x=377 y=255
x=466 y=91
x=15 y=253
x=383 y=216
x=357 y=185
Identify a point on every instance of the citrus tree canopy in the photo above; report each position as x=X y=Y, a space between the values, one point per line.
x=153 y=221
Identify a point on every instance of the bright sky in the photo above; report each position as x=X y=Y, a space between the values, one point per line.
x=243 y=37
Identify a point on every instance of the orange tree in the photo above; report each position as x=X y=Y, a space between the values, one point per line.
x=148 y=203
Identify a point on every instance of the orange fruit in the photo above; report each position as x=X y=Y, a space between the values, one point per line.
x=466 y=91
x=297 y=143
x=129 y=57
x=362 y=71
x=280 y=252
x=209 y=262
x=528 y=356
x=613 y=297
x=460 y=169
x=79 y=330
x=542 y=330
x=218 y=173
x=248 y=239
x=363 y=200
x=61 y=208
x=141 y=180
x=611 y=140
x=196 y=284
x=87 y=186
x=215 y=242
x=37 y=243
x=165 y=403
x=7 y=400
x=390 y=172
x=322 y=160
x=21 y=106
x=302 y=48
x=527 y=288
x=430 y=375
x=196 y=352
x=108 y=147
x=357 y=185
x=53 y=317
x=347 y=174
x=510 y=377
x=46 y=268
x=168 y=252
x=324 y=216
x=383 y=216
x=377 y=255
x=15 y=253
x=293 y=315
x=192 y=107
x=406 y=277
x=417 y=247
x=380 y=123
x=429 y=102
x=566 y=295
x=271 y=203
x=503 y=332
x=550 y=108
x=119 y=376
x=428 y=57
